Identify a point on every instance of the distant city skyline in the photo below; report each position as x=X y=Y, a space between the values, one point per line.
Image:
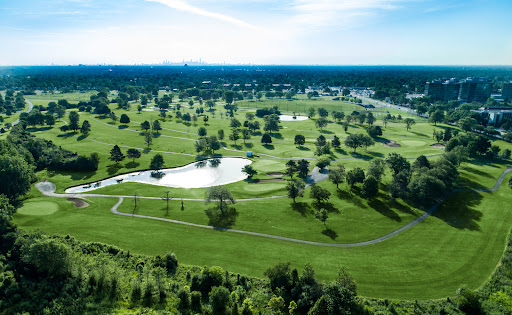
x=262 y=32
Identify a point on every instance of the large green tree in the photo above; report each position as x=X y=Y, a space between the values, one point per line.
x=15 y=176
x=221 y=195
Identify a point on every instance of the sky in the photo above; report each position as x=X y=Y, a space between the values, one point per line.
x=291 y=32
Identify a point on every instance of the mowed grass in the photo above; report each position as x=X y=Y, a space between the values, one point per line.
x=460 y=245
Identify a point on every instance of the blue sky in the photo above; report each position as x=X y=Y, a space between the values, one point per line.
x=345 y=32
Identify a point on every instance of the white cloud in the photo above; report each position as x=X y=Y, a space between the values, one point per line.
x=186 y=7
x=328 y=12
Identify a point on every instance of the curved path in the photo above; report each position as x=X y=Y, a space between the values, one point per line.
x=48 y=189
x=30 y=106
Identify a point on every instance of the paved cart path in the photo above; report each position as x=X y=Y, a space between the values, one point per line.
x=48 y=189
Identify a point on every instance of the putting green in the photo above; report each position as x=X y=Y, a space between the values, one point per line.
x=38 y=208
x=264 y=187
x=413 y=143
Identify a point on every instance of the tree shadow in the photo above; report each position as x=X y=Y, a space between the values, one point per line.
x=327 y=132
x=34 y=129
x=302 y=207
x=325 y=205
x=236 y=146
x=257 y=133
x=384 y=209
x=303 y=148
x=330 y=233
x=82 y=137
x=459 y=211
x=349 y=197
x=67 y=134
x=131 y=164
x=340 y=151
x=113 y=168
x=276 y=135
x=377 y=154
x=73 y=175
x=221 y=220
x=249 y=145
x=122 y=127
x=268 y=146
x=361 y=156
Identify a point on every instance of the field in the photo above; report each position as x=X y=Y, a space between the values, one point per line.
x=460 y=244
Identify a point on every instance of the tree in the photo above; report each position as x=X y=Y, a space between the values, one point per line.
x=408 y=123
x=367 y=141
x=148 y=138
x=321 y=122
x=397 y=163
x=157 y=162
x=354 y=141
x=467 y=124
x=336 y=142
x=234 y=135
x=221 y=195
x=48 y=256
x=322 y=216
x=370 y=187
x=15 y=175
x=219 y=298
x=201 y=132
x=303 y=168
x=311 y=111
x=234 y=123
x=354 y=176
x=319 y=194
x=337 y=174
x=376 y=169
x=426 y=188
x=436 y=116
x=86 y=127
x=295 y=188
x=246 y=134
x=145 y=125
x=398 y=186
x=249 y=171
x=220 y=134
x=266 y=139
x=280 y=276
x=124 y=119
x=113 y=117
x=74 y=118
x=156 y=126
x=374 y=131
x=323 y=163
x=300 y=140
x=49 y=119
x=133 y=154
x=228 y=97
x=116 y=155
x=370 y=119
x=439 y=135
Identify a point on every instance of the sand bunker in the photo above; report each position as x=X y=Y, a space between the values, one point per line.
x=437 y=145
x=274 y=174
x=391 y=143
x=79 y=203
x=268 y=180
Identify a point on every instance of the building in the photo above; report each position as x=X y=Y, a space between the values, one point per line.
x=443 y=89
x=475 y=89
x=494 y=115
x=506 y=92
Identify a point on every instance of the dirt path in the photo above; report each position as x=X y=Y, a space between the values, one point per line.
x=48 y=189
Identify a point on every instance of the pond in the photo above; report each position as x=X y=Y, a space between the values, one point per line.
x=291 y=118
x=207 y=173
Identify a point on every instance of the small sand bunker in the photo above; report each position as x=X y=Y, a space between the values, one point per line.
x=437 y=145
x=274 y=174
x=79 y=203
x=391 y=143
x=268 y=180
